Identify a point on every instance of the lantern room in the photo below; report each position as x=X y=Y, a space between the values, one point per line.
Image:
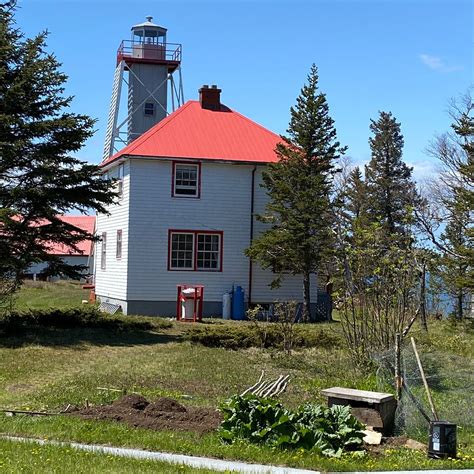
x=148 y=33
x=148 y=41
x=148 y=46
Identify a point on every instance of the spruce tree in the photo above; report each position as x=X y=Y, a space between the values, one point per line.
x=455 y=269
x=39 y=176
x=299 y=186
x=457 y=240
x=391 y=192
x=356 y=196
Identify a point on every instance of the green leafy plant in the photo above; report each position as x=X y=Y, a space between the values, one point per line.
x=327 y=431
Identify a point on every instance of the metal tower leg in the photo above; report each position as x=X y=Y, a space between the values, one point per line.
x=181 y=90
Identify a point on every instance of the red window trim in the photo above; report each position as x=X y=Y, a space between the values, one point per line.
x=195 y=233
x=173 y=173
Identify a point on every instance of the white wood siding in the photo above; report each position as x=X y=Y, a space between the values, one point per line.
x=224 y=206
x=112 y=282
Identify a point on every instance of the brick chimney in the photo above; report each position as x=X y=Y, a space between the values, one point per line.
x=210 y=97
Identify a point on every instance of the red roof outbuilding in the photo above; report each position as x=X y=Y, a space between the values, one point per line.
x=86 y=223
x=194 y=132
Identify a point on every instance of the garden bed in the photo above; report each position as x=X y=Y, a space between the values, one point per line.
x=161 y=414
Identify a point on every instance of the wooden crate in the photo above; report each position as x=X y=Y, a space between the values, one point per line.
x=374 y=409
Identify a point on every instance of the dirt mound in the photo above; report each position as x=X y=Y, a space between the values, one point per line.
x=166 y=405
x=162 y=414
x=133 y=401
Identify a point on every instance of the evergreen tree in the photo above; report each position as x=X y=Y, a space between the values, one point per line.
x=456 y=270
x=356 y=197
x=299 y=187
x=39 y=178
x=457 y=240
x=391 y=192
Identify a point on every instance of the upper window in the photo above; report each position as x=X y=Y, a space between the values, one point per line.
x=149 y=108
x=186 y=178
x=121 y=173
x=195 y=251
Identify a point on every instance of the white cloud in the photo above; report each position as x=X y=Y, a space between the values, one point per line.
x=437 y=64
x=423 y=170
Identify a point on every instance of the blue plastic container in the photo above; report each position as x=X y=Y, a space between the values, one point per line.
x=238 y=311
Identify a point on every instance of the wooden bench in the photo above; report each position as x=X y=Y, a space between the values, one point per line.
x=374 y=409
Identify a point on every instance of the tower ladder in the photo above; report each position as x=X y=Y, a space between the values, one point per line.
x=111 y=131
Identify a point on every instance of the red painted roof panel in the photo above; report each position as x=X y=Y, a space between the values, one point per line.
x=86 y=223
x=196 y=133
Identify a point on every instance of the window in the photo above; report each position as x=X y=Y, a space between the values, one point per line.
x=149 y=108
x=118 y=250
x=121 y=173
x=208 y=251
x=103 y=253
x=182 y=251
x=195 y=251
x=186 y=177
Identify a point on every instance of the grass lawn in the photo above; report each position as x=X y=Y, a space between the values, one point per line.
x=33 y=458
x=40 y=295
x=48 y=368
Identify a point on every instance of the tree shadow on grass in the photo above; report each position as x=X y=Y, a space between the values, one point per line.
x=79 y=338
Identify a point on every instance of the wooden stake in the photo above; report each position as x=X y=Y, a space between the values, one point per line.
x=27 y=412
x=410 y=323
x=425 y=383
x=110 y=389
x=424 y=323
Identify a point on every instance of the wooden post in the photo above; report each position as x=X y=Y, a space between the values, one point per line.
x=423 y=296
x=398 y=376
x=425 y=383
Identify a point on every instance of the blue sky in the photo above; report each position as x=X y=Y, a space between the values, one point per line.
x=409 y=57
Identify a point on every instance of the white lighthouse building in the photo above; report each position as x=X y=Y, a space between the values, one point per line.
x=190 y=190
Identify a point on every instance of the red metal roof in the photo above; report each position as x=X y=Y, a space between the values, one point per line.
x=86 y=223
x=84 y=247
x=196 y=133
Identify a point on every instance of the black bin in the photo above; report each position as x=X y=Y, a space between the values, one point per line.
x=442 y=442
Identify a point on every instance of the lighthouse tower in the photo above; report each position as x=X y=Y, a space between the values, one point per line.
x=147 y=64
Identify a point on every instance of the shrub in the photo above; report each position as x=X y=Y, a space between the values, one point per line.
x=89 y=317
x=244 y=336
x=326 y=431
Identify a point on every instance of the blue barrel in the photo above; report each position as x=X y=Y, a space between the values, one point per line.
x=238 y=311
